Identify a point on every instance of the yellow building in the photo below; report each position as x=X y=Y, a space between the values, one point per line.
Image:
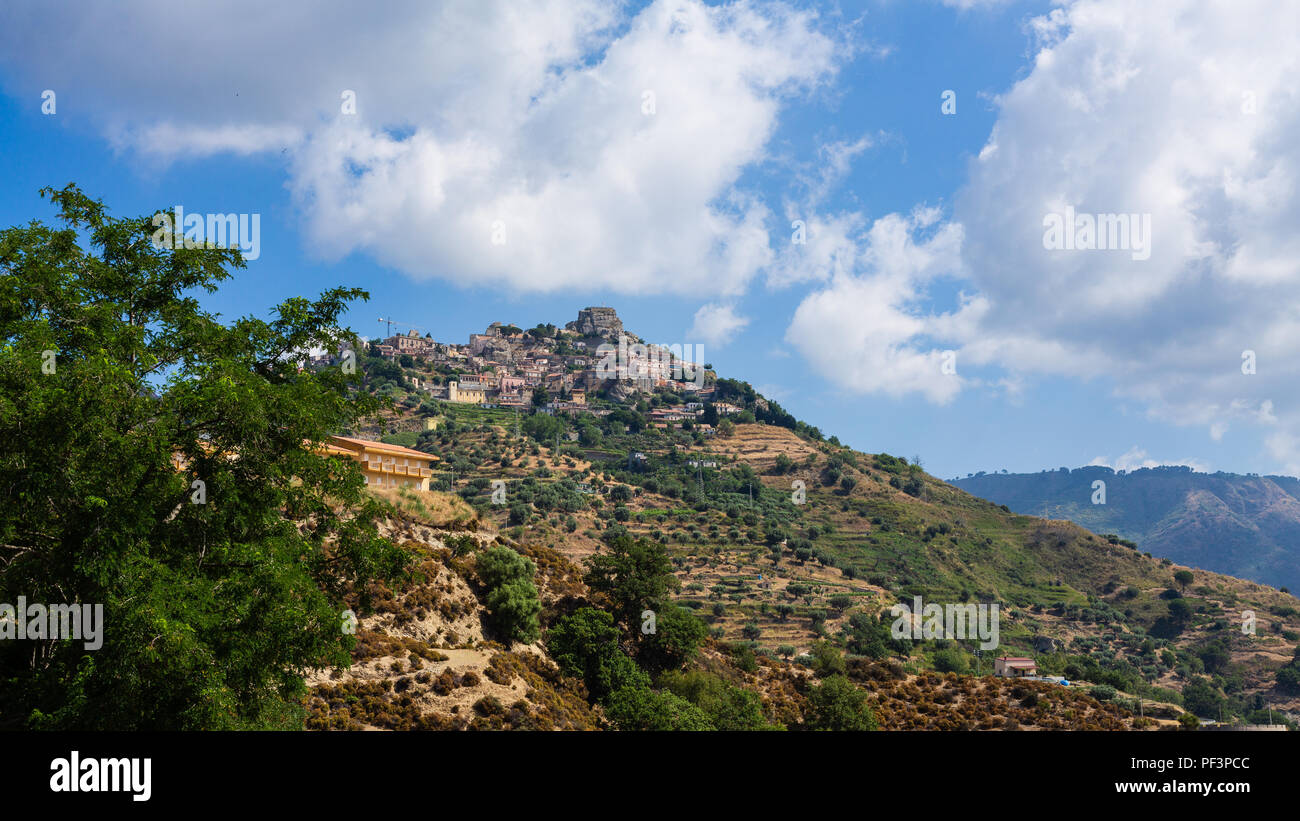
x=471 y=392
x=386 y=465
x=382 y=465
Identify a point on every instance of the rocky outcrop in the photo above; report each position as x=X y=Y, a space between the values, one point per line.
x=1047 y=644
x=601 y=322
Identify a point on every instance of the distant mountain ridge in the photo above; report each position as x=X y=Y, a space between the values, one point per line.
x=1243 y=525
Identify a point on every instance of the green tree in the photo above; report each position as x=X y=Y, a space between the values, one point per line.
x=1180 y=611
x=638 y=708
x=727 y=706
x=634 y=574
x=1216 y=656
x=836 y=704
x=586 y=644
x=1183 y=578
x=950 y=660
x=543 y=427
x=1202 y=698
x=676 y=639
x=512 y=596
x=214 y=599
x=620 y=493
x=870 y=636
x=514 y=607
x=1288 y=677
x=827 y=660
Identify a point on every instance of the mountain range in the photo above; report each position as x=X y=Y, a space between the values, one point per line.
x=1242 y=525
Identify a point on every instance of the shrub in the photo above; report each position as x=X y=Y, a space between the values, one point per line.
x=1102 y=692
x=950 y=660
x=743 y=657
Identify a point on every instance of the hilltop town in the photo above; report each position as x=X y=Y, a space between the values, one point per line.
x=557 y=370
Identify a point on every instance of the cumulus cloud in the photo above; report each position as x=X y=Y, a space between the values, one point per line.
x=535 y=145
x=1182 y=113
x=1186 y=113
x=717 y=324
x=867 y=329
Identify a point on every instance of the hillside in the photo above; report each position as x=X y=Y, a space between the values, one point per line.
x=426 y=658
x=785 y=544
x=1245 y=526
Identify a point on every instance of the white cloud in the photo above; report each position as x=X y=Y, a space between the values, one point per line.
x=533 y=117
x=167 y=142
x=716 y=324
x=866 y=330
x=1134 y=108
x=1184 y=111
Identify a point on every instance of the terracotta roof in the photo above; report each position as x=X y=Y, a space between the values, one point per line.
x=397 y=450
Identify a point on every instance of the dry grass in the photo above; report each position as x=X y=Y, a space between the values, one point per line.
x=429 y=507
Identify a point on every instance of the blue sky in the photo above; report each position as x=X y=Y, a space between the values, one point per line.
x=923 y=229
